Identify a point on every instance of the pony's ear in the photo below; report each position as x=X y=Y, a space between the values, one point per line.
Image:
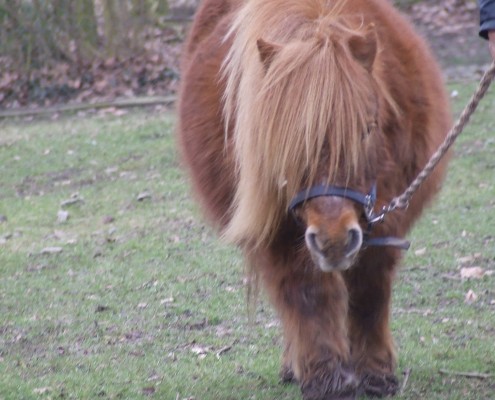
x=364 y=47
x=267 y=52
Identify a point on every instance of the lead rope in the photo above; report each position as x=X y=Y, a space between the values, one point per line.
x=402 y=201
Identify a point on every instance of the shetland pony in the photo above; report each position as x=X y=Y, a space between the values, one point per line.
x=280 y=96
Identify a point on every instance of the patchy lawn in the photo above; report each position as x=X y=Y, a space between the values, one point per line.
x=111 y=285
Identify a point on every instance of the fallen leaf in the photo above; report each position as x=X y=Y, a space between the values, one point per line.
x=200 y=350
x=62 y=216
x=143 y=196
x=74 y=199
x=167 y=300
x=42 y=390
x=51 y=250
x=470 y=297
x=472 y=273
x=420 y=252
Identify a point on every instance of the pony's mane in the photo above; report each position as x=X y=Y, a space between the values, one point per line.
x=280 y=116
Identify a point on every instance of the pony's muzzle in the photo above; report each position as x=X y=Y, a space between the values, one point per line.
x=334 y=253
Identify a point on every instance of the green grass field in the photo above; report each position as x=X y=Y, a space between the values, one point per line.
x=133 y=297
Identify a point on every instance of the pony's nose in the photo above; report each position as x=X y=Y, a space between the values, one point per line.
x=331 y=252
x=320 y=243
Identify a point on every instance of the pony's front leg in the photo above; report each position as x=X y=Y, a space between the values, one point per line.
x=312 y=306
x=372 y=347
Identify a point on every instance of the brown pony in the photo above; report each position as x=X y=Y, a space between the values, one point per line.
x=280 y=96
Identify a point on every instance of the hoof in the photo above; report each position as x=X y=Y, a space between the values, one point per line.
x=379 y=385
x=339 y=385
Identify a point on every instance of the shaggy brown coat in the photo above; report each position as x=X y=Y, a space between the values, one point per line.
x=279 y=95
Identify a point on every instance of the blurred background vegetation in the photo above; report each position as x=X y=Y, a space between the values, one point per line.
x=35 y=32
x=59 y=51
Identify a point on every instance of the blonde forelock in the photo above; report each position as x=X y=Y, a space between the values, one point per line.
x=313 y=98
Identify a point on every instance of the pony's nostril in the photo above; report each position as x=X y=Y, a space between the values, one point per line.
x=354 y=241
x=311 y=240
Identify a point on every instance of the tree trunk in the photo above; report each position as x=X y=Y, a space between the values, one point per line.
x=116 y=20
x=86 y=28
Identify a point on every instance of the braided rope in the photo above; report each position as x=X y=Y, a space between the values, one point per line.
x=402 y=201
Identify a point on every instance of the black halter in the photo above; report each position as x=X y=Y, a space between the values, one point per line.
x=366 y=200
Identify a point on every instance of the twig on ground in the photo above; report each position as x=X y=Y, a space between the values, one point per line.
x=407 y=374
x=477 y=375
x=223 y=350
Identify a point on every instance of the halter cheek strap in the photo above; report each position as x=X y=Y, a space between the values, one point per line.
x=387 y=241
x=366 y=200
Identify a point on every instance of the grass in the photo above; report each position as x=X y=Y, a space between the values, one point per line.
x=133 y=296
x=405 y=3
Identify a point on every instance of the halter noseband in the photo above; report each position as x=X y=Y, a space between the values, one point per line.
x=366 y=200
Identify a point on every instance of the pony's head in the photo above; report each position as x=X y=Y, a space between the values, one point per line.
x=304 y=102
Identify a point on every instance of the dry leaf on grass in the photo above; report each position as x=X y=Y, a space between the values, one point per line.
x=143 y=196
x=167 y=300
x=74 y=198
x=470 y=297
x=420 y=252
x=51 y=250
x=42 y=390
x=200 y=351
x=472 y=272
x=62 y=216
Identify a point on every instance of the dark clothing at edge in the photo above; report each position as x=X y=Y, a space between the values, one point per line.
x=487 y=17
